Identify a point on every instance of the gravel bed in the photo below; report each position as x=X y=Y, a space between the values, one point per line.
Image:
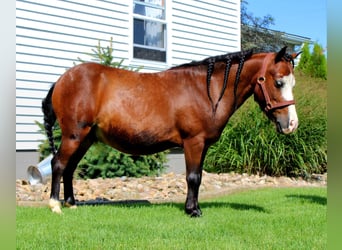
x=167 y=187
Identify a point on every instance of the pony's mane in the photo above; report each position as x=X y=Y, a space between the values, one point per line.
x=287 y=57
x=228 y=59
x=220 y=58
x=231 y=56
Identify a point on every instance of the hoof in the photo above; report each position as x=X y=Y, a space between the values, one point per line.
x=194 y=212
x=55 y=206
x=71 y=206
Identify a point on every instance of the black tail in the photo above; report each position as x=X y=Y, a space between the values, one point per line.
x=49 y=118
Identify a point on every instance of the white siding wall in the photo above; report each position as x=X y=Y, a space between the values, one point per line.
x=52 y=34
x=204 y=28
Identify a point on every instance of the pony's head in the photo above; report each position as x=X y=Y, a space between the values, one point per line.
x=273 y=90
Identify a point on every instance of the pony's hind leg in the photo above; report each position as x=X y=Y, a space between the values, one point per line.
x=58 y=163
x=57 y=170
x=69 y=199
x=64 y=163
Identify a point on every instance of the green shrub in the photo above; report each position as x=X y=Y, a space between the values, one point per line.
x=250 y=143
x=103 y=161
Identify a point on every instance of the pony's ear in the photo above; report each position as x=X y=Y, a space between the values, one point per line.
x=294 y=55
x=280 y=54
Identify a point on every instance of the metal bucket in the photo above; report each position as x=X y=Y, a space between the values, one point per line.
x=40 y=173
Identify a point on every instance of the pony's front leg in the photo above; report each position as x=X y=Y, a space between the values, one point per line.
x=191 y=204
x=194 y=151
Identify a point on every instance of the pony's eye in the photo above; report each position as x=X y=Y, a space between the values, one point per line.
x=279 y=84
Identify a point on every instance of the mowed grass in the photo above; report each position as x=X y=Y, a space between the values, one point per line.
x=269 y=218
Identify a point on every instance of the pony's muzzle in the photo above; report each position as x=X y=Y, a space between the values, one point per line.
x=288 y=123
x=292 y=126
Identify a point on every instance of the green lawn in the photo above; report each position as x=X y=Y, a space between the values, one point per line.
x=270 y=218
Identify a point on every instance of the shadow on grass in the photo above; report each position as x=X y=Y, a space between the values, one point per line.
x=104 y=201
x=309 y=198
x=139 y=203
x=236 y=206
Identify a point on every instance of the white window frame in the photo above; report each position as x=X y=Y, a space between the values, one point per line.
x=167 y=38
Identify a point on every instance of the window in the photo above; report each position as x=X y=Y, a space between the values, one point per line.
x=149 y=31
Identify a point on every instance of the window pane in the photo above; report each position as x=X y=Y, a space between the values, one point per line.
x=149 y=33
x=149 y=10
x=139 y=31
x=160 y=3
x=155 y=2
x=149 y=54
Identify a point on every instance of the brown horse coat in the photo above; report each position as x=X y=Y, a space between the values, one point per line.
x=142 y=113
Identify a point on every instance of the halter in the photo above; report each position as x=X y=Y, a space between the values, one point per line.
x=261 y=80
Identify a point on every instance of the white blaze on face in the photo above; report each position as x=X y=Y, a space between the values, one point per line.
x=286 y=91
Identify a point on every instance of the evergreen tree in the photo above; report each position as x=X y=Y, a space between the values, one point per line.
x=105 y=56
x=318 y=62
x=305 y=59
x=313 y=64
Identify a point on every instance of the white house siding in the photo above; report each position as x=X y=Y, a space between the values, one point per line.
x=204 y=28
x=51 y=35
